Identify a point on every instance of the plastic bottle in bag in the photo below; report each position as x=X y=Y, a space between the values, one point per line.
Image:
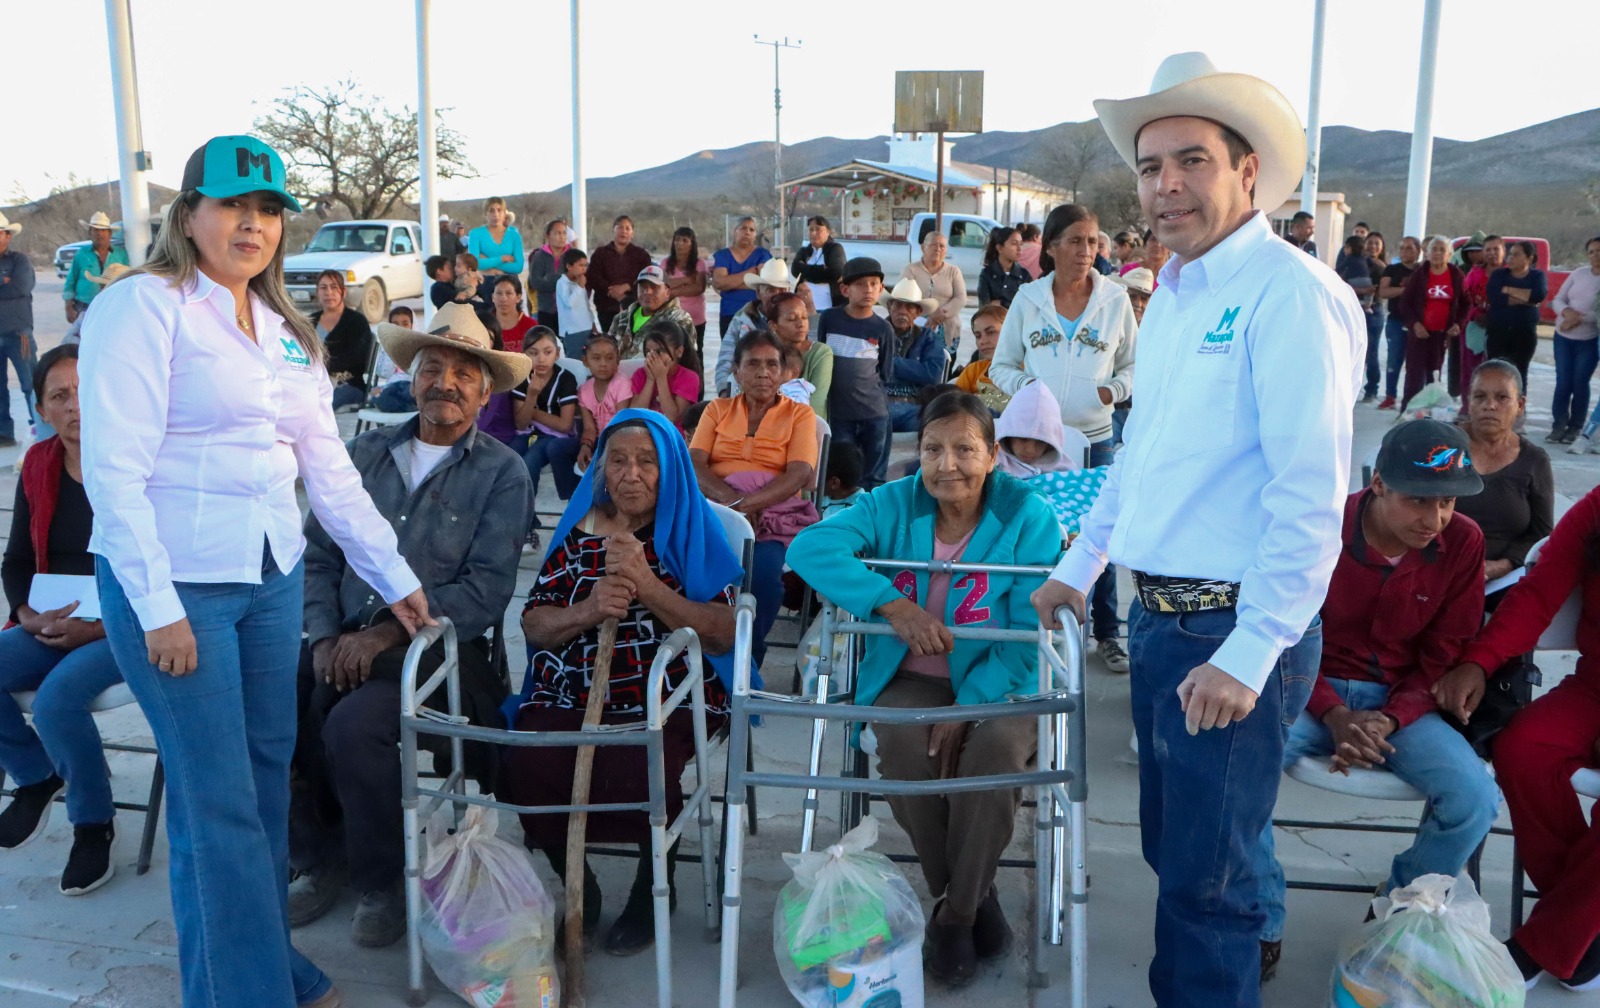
x=847 y=931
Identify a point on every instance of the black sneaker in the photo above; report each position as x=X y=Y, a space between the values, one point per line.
x=1587 y=976
x=380 y=917
x=8 y=442
x=313 y=893
x=1530 y=970
x=89 y=865
x=28 y=815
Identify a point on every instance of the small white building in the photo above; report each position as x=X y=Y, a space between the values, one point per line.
x=877 y=199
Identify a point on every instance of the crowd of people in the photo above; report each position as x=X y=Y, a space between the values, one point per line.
x=1275 y=614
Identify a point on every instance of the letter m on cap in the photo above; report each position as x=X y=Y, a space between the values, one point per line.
x=248 y=161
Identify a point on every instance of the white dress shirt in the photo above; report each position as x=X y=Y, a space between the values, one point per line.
x=193 y=435
x=1237 y=455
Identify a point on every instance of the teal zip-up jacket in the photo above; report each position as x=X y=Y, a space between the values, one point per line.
x=897 y=520
x=85 y=264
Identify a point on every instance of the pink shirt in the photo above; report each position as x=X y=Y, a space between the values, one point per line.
x=685 y=384
x=617 y=393
x=696 y=305
x=937 y=666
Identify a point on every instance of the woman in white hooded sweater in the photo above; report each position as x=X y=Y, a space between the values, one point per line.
x=1073 y=331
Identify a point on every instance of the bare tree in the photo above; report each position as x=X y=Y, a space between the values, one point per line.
x=344 y=148
x=1071 y=157
x=1113 y=194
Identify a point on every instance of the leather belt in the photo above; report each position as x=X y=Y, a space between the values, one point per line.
x=1159 y=593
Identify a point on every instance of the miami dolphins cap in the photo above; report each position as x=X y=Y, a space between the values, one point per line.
x=1428 y=458
x=235 y=165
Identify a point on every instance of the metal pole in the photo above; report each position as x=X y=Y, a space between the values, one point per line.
x=580 y=188
x=1308 y=185
x=938 y=185
x=1422 y=134
x=427 y=141
x=777 y=134
x=132 y=159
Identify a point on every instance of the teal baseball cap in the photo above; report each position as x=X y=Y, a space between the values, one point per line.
x=234 y=165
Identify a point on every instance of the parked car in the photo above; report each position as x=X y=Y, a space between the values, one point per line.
x=1554 y=278
x=967 y=234
x=381 y=261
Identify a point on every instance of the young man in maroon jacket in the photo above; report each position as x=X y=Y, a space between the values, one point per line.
x=1405 y=601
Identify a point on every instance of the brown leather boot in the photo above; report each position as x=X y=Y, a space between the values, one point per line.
x=948 y=950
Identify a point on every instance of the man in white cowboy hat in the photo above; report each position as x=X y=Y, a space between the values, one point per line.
x=1140 y=283
x=917 y=357
x=1225 y=503
x=773 y=277
x=16 y=325
x=652 y=303
x=460 y=502
x=113 y=272
x=91 y=261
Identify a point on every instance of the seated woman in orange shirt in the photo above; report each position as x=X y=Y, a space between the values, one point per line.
x=755 y=452
x=974 y=377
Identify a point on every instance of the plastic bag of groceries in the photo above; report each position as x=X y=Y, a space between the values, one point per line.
x=1438 y=953
x=488 y=926
x=1432 y=402
x=847 y=930
x=808 y=654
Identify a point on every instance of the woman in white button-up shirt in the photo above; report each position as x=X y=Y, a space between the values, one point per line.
x=204 y=396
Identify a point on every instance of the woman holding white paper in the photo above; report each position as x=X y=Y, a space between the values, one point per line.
x=66 y=661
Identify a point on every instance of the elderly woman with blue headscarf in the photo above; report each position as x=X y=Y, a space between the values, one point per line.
x=640 y=544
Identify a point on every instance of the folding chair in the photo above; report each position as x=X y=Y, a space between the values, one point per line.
x=1060 y=783
x=419 y=802
x=111 y=698
x=366 y=416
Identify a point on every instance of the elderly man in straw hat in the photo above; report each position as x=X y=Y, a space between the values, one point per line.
x=90 y=262
x=772 y=278
x=917 y=360
x=16 y=325
x=1225 y=503
x=460 y=503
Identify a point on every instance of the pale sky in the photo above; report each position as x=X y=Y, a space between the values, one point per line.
x=688 y=76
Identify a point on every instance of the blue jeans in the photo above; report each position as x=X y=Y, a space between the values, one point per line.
x=1374 y=331
x=1203 y=801
x=1103 y=622
x=67 y=741
x=225 y=733
x=1119 y=420
x=871 y=435
x=1395 y=332
x=1429 y=755
x=346 y=394
x=1575 y=364
x=11 y=350
x=559 y=453
x=766 y=584
x=395 y=397
x=903 y=417
x=574 y=343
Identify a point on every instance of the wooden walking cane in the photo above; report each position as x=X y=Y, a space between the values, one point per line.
x=578 y=822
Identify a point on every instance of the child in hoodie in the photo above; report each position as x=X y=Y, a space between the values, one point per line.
x=1032 y=438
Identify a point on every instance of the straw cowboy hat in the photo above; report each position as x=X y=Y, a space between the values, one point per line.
x=99 y=222
x=1188 y=84
x=6 y=225
x=907 y=290
x=1140 y=279
x=456 y=326
x=774 y=273
x=113 y=271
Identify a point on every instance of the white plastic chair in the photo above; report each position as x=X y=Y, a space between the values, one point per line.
x=111 y=698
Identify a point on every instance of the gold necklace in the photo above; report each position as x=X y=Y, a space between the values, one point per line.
x=244 y=323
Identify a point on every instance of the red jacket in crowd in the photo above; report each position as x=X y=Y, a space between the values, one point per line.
x=1404 y=625
x=1570 y=559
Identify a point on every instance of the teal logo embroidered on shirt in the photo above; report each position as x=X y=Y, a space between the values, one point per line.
x=1220 y=339
x=293 y=354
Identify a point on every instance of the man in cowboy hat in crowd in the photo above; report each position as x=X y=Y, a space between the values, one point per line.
x=653 y=303
x=460 y=503
x=1226 y=503
x=771 y=279
x=917 y=358
x=90 y=262
x=16 y=326
x=113 y=272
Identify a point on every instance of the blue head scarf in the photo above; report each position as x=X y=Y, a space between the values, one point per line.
x=688 y=535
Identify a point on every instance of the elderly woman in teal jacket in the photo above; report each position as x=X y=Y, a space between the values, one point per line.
x=956 y=508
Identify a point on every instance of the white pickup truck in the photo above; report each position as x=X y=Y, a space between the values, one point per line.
x=381 y=261
x=967 y=234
